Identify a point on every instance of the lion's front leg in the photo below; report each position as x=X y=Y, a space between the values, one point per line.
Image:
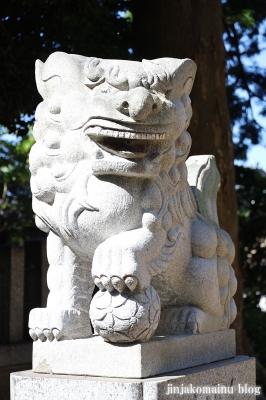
x=122 y=261
x=127 y=308
x=71 y=286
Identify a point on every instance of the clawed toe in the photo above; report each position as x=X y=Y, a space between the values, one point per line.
x=40 y=334
x=116 y=283
x=119 y=284
x=33 y=335
x=107 y=283
x=131 y=282
x=57 y=334
x=49 y=334
x=45 y=334
x=192 y=327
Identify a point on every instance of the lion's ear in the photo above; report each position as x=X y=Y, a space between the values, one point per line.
x=60 y=74
x=181 y=72
x=38 y=74
x=48 y=74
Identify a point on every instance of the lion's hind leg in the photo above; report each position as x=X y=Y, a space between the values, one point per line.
x=200 y=310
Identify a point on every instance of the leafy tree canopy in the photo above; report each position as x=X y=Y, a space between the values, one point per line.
x=245 y=33
x=251 y=193
x=33 y=29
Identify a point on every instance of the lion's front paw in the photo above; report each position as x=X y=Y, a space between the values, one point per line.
x=119 y=265
x=58 y=324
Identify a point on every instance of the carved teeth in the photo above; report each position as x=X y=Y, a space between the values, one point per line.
x=108 y=133
x=99 y=154
x=97 y=130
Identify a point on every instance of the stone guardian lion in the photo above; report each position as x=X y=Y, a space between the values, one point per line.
x=124 y=211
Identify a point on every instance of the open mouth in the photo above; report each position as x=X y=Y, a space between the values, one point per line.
x=115 y=133
x=126 y=144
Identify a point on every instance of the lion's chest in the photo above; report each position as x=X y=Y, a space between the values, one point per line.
x=117 y=200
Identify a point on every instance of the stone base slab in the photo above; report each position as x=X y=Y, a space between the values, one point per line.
x=159 y=355
x=237 y=375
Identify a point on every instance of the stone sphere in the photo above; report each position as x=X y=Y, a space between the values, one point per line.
x=125 y=317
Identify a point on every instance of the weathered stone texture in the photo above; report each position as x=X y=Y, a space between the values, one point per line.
x=230 y=373
x=137 y=360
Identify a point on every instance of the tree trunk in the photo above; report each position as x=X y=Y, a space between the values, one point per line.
x=193 y=29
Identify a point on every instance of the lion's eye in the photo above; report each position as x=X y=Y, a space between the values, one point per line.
x=116 y=78
x=93 y=72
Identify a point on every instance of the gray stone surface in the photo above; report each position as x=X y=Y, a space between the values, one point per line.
x=230 y=373
x=159 y=355
x=111 y=188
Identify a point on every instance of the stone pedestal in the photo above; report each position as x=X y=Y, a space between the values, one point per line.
x=222 y=380
x=161 y=354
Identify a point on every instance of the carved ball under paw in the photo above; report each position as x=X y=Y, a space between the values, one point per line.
x=125 y=317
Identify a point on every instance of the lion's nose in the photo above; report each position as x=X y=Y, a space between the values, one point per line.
x=137 y=103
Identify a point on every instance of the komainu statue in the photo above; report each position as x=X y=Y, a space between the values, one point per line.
x=134 y=245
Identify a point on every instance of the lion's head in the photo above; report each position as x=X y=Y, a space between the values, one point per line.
x=122 y=116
